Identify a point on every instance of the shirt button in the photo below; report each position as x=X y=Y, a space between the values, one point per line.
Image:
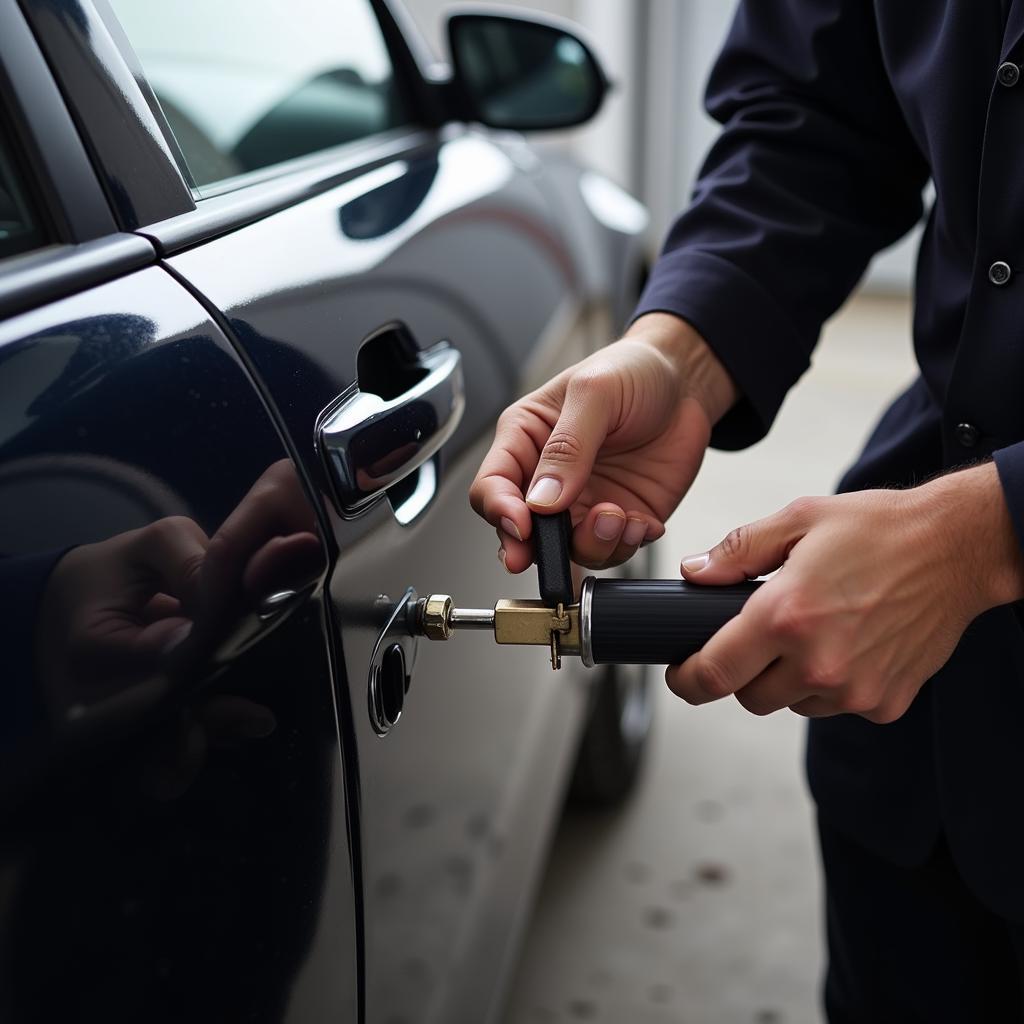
x=1008 y=74
x=967 y=434
x=999 y=273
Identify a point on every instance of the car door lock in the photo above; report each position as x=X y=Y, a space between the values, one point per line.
x=614 y=622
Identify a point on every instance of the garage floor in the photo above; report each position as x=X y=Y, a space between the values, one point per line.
x=700 y=902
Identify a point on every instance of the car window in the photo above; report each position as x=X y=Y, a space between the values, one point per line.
x=244 y=84
x=19 y=225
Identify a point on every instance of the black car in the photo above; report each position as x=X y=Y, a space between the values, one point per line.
x=268 y=274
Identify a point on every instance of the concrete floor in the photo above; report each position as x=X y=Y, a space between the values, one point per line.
x=700 y=902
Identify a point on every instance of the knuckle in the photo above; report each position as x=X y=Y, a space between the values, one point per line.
x=713 y=678
x=792 y=618
x=562 y=446
x=828 y=674
x=166 y=530
x=590 y=381
x=509 y=418
x=801 y=509
x=191 y=567
x=734 y=543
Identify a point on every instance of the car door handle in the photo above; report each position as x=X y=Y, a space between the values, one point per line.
x=371 y=443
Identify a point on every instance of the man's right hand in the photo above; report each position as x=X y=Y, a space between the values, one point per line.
x=618 y=439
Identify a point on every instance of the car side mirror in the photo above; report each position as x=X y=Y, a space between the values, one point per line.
x=526 y=73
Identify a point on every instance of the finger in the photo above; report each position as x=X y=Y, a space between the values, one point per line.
x=778 y=686
x=275 y=506
x=160 y=606
x=752 y=550
x=640 y=529
x=738 y=653
x=598 y=534
x=283 y=563
x=516 y=556
x=497 y=492
x=567 y=458
x=171 y=551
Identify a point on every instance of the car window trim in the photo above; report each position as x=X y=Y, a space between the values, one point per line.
x=58 y=271
x=61 y=181
x=135 y=166
x=293 y=182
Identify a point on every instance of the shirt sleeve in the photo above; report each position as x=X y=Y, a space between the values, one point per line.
x=1010 y=466
x=814 y=171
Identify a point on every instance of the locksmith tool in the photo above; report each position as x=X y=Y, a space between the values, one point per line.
x=615 y=621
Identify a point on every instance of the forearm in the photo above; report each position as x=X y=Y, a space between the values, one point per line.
x=969 y=509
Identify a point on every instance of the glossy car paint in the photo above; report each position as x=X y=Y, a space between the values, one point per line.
x=167 y=831
x=428 y=840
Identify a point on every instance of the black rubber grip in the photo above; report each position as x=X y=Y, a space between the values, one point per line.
x=658 y=622
x=552 y=536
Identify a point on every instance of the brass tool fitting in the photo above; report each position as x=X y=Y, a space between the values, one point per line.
x=513 y=622
x=436 y=617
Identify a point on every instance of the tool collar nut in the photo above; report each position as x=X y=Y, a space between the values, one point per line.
x=437 y=616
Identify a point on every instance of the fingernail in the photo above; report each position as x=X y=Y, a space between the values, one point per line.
x=608 y=525
x=636 y=530
x=177 y=637
x=694 y=563
x=501 y=558
x=510 y=528
x=545 y=491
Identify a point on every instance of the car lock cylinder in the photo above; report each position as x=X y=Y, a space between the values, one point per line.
x=614 y=622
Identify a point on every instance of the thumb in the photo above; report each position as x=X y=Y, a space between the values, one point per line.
x=570 y=451
x=750 y=551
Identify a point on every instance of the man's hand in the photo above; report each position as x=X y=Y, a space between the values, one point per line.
x=617 y=438
x=875 y=591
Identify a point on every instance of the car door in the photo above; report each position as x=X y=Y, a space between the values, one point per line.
x=339 y=238
x=172 y=792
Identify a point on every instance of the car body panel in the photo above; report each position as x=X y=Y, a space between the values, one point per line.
x=156 y=863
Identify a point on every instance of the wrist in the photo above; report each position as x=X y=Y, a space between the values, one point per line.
x=699 y=371
x=973 y=517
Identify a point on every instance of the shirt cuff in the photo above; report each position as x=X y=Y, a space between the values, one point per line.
x=745 y=328
x=1010 y=466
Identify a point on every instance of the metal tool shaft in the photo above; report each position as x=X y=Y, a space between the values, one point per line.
x=472 y=618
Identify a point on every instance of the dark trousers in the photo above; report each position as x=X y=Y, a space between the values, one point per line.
x=913 y=945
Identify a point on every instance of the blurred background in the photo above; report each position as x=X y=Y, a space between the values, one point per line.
x=700 y=901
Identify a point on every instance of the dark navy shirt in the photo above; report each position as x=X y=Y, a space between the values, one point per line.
x=835 y=115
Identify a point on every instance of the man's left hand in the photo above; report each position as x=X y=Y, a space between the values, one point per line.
x=875 y=590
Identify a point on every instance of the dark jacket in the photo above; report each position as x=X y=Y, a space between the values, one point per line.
x=835 y=114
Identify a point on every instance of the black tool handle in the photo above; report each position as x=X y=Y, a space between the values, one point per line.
x=552 y=536
x=658 y=622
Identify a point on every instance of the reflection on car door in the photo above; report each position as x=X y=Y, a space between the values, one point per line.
x=174 y=823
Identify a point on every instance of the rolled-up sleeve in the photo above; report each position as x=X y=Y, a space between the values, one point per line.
x=814 y=171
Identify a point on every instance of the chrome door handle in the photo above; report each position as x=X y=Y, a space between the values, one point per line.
x=371 y=443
